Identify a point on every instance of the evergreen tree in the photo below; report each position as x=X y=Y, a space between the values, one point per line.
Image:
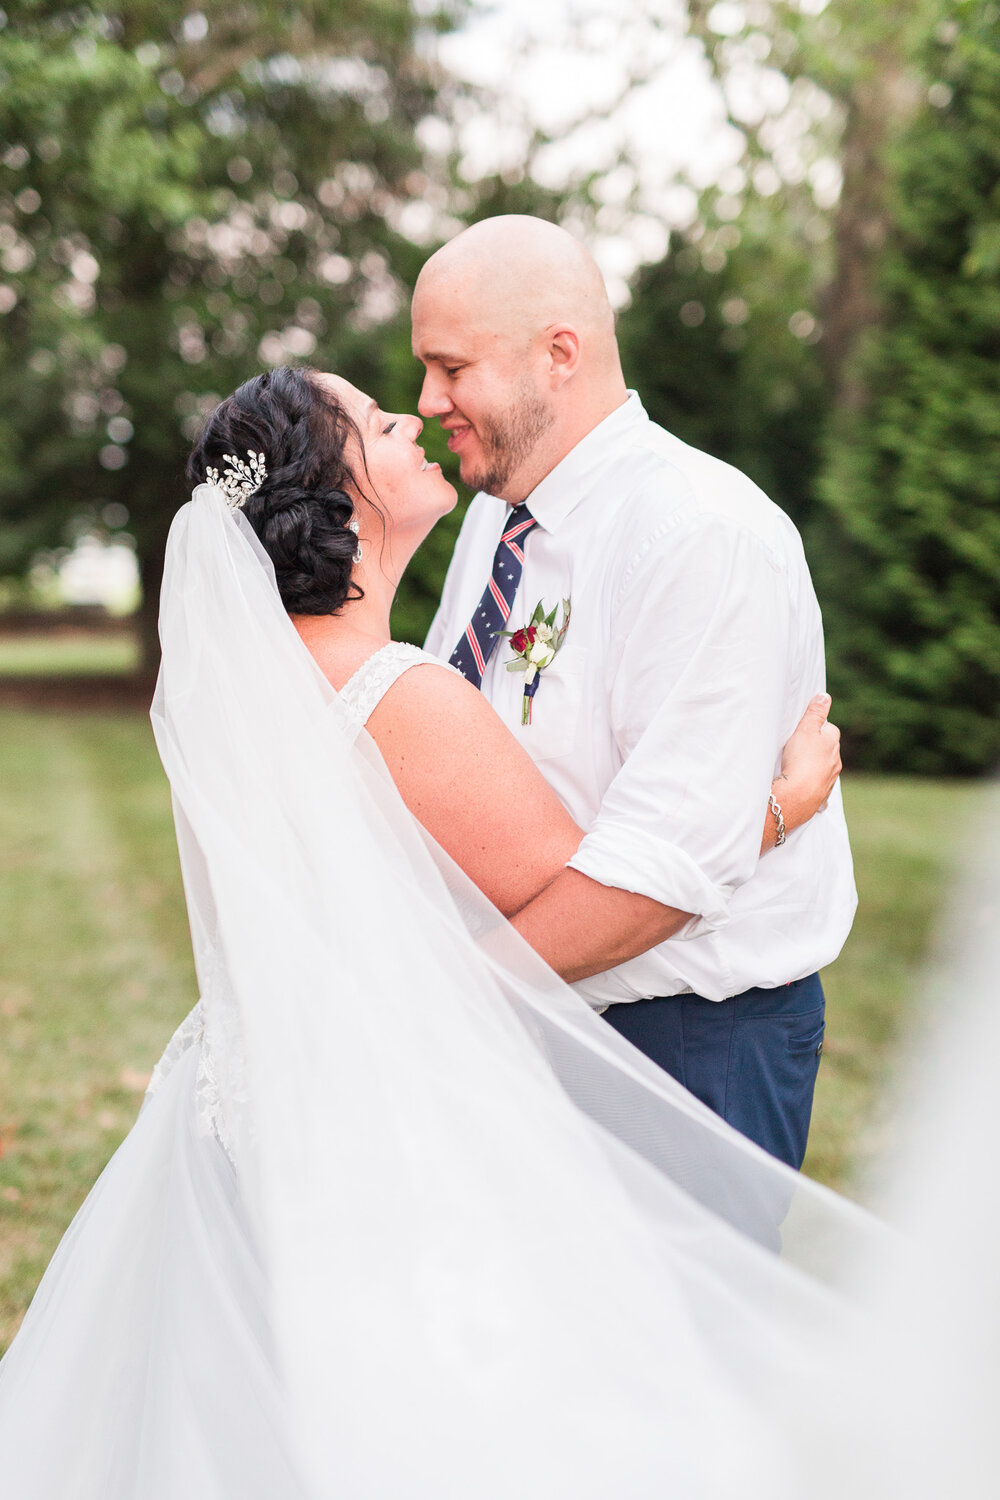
x=853 y=77
x=908 y=545
x=720 y=345
x=798 y=258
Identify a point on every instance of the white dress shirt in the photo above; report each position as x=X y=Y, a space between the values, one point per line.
x=694 y=646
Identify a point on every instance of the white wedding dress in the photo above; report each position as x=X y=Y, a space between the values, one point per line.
x=401 y=1218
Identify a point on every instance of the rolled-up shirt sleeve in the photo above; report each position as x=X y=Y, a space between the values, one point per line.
x=702 y=626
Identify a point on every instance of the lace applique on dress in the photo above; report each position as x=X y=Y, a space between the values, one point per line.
x=221 y=1093
x=362 y=693
x=188 y=1034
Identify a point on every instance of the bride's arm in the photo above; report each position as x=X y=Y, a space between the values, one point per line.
x=464 y=776
x=810 y=765
x=478 y=793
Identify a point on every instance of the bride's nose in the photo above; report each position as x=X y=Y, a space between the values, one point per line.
x=416 y=426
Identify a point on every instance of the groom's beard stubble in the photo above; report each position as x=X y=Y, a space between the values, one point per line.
x=507 y=440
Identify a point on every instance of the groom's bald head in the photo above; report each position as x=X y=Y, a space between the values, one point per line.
x=513 y=323
x=523 y=275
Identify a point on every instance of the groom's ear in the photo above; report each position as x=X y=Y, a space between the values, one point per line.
x=563 y=352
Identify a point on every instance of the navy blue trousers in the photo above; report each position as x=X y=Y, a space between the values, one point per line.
x=753 y=1059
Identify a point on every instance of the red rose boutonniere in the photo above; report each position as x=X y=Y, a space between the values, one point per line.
x=535 y=646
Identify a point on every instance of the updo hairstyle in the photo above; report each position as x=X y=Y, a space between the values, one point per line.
x=301 y=511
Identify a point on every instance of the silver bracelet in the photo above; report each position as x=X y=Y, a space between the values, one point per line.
x=775 y=807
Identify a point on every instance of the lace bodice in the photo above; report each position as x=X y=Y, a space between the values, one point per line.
x=362 y=693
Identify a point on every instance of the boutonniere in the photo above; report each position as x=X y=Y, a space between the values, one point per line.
x=535 y=646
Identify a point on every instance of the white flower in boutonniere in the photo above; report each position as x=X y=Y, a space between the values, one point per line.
x=535 y=646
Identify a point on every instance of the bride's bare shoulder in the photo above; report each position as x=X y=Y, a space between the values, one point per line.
x=430 y=700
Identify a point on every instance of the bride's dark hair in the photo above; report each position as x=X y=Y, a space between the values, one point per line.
x=302 y=509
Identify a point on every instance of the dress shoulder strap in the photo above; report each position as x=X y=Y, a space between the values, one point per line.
x=363 y=692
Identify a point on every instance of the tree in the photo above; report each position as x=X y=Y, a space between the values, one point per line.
x=183 y=195
x=882 y=206
x=909 y=544
x=720 y=344
x=743 y=337
x=852 y=79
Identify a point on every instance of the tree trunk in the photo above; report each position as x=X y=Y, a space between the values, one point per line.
x=880 y=103
x=151 y=576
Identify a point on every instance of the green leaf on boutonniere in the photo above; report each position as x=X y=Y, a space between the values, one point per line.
x=565 y=623
x=541 y=638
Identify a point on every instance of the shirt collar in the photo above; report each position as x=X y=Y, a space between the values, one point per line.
x=562 y=489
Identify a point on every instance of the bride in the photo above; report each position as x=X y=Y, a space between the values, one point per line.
x=401 y=1216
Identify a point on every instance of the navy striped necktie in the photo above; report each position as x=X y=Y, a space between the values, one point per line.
x=493 y=610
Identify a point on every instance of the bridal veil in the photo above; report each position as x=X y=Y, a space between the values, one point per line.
x=505 y=1253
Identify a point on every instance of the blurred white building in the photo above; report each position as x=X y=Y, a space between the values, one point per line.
x=99 y=572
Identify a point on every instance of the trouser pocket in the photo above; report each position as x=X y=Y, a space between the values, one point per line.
x=772 y=1077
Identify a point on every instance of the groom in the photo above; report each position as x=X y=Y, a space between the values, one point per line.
x=693 y=646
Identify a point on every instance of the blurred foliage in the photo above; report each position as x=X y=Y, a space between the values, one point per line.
x=909 y=545
x=720 y=345
x=831 y=324
x=185 y=194
x=833 y=85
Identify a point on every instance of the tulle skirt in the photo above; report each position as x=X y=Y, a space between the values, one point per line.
x=147 y=1368
x=144 y=1368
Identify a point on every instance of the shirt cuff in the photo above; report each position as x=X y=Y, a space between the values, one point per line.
x=632 y=860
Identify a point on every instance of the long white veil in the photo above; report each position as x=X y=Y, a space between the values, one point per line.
x=908 y=1402
x=506 y=1254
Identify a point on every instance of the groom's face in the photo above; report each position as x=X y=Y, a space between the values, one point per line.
x=483 y=386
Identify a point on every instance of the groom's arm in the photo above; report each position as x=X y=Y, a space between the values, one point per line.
x=581 y=927
x=697 y=705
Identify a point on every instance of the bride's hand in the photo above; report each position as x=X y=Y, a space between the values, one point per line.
x=810 y=765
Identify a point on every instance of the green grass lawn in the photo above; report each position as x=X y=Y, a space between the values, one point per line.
x=908 y=836
x=69 y=653
x=95 y=967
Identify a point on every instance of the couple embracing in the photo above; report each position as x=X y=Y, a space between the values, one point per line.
x=684 y=644
x=507 y=953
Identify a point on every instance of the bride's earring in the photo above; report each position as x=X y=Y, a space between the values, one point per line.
x=358 y=554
